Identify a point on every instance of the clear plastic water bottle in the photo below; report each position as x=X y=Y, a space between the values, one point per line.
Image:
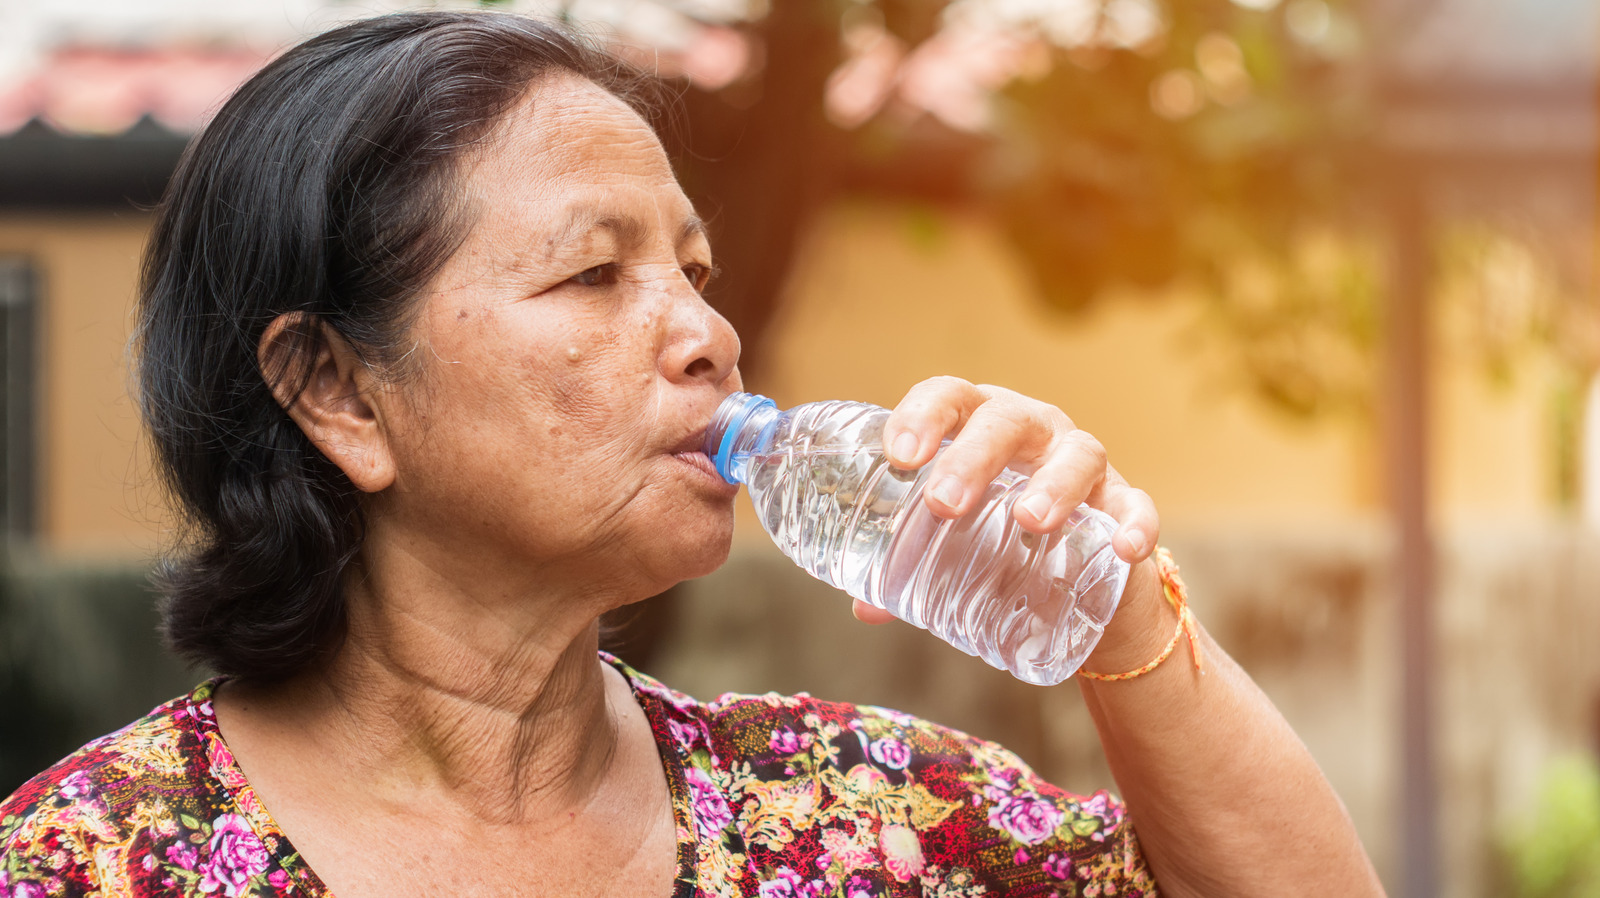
x=1031 y=604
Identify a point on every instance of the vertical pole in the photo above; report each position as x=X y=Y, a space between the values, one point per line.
x=1407 y=451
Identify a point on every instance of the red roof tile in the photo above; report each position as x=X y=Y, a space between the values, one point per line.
x=104 y=91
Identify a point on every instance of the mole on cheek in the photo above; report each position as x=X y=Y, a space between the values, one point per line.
x=574 y=354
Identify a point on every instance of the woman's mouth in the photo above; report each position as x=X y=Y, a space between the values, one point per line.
x=699 y=460
x=702 y=463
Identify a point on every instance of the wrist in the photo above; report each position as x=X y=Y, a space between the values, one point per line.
x=1141 y=627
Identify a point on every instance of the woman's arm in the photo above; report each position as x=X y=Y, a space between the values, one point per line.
x=1225 y=799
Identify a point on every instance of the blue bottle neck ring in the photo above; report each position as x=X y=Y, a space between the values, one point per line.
x=727 y=425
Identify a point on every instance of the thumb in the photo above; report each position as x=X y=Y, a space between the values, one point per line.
x=868 y=614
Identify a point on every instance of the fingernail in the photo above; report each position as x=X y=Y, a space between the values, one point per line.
x=1136 y=540
x=906 y=446
x=1038 y=505
x=949 y=491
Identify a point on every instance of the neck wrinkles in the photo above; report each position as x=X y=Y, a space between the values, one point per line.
x=512 y=720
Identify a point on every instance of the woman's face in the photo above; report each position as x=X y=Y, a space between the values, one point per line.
x=567 y=364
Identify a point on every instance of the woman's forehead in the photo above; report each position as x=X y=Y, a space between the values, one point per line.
x=568 y=125
x=578 y=158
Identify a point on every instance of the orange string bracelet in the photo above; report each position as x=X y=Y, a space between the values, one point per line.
x=1178 y=597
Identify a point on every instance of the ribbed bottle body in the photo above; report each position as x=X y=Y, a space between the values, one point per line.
x=1031 y=604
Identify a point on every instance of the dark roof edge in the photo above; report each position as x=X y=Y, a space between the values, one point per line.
x=43 y=169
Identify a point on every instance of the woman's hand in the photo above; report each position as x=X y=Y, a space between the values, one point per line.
x=995 y=428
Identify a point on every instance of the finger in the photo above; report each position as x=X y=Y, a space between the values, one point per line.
x=930 y=410
x=869 y=614
x=1139 y=526
x=1075 y=469
x=1000 y=433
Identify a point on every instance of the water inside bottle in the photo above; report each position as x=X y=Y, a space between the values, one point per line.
x=832 y=502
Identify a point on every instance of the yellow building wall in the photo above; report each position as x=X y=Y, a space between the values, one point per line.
x=882 y=299
x=93 y=490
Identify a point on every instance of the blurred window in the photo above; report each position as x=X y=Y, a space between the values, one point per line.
x=18 y=348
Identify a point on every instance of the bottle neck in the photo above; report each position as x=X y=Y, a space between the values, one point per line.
x=742 y=423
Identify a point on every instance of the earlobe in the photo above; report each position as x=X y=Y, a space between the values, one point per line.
x=331 y=393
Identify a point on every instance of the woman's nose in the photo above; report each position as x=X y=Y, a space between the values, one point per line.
x=701 y=344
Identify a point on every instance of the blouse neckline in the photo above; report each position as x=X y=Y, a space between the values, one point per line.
x=225 y=771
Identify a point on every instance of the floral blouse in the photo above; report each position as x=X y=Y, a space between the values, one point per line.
x=775 y=797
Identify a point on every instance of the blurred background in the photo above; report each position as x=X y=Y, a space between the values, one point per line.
x=1321 y=274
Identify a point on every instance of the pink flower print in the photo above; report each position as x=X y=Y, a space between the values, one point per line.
x=249 y=803
x=776 y=888
x=183 y=855
x=222 y=764
x=902 y=851
x=27 y=890
x=850 y=854
x=824 y=860
x=686 y=735
x=891 y=714
x=891 y=753
x=278 y=879
x=1020 y=858
x=785 y=883
x=76 y=786
x=784 y=741
x=1058 y=866
x=1027 y=818
x=858 y=887
x=711 y=810
x=866 y=779
x=235 y=855
x=671 y=696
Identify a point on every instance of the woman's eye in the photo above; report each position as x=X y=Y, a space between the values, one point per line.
x=598 y=276
x=699 y=276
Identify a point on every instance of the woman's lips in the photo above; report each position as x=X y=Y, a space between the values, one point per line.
x=701 y=462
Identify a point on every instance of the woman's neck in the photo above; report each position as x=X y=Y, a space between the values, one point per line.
x=489 y=698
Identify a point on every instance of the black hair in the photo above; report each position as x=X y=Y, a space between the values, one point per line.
x=327 y=188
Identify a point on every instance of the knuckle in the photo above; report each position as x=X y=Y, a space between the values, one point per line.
x=993 y=393
x=946 y=383
x=995 y=427
x=1086 y=443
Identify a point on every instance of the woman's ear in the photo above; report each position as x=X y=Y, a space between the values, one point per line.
x=337 y=406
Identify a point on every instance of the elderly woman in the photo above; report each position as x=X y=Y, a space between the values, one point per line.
x=425 y=358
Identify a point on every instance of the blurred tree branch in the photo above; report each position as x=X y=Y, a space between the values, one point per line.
x=1220 y=145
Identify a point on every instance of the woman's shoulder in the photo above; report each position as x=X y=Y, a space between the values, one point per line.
x=64 y=823
x=157 y=746
x=754 y=724
x=814 y=788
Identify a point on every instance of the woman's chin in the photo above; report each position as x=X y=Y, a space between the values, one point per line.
x=692 y=552
x=706 y=557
